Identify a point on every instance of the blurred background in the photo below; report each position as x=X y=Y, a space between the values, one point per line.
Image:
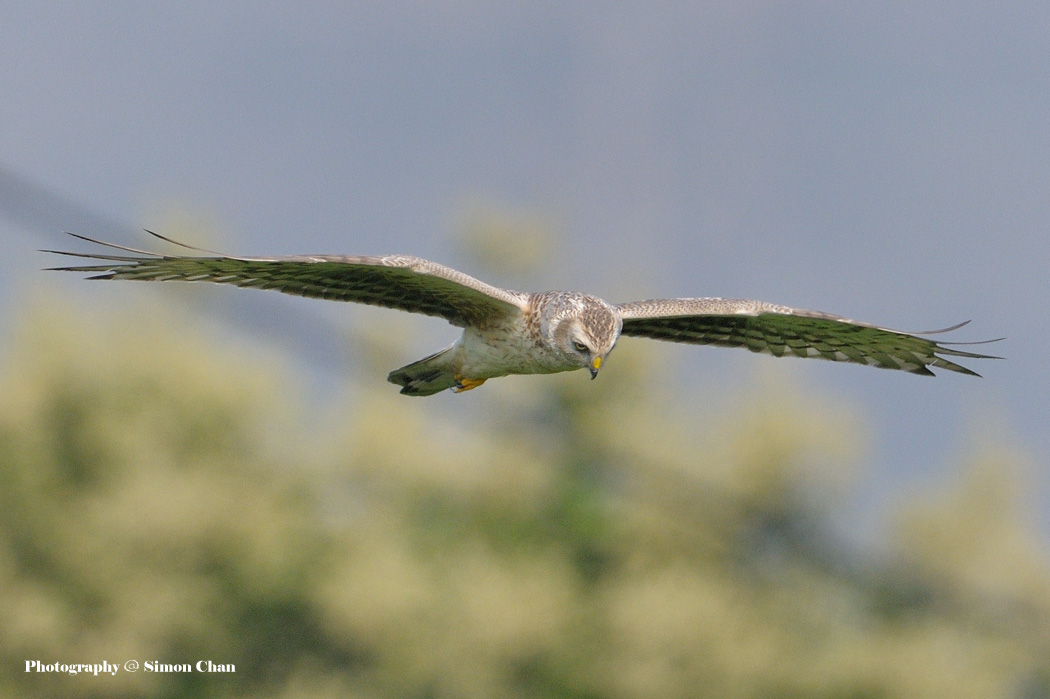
x=192 y=472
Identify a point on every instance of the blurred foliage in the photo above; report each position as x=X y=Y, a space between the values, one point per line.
x=170 y=497
x=505 y=241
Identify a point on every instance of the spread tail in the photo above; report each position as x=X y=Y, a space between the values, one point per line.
x=426 y=377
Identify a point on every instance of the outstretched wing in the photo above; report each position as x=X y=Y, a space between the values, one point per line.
x=780 y=331
x=394 y=281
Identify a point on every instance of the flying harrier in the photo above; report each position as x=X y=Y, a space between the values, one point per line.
x=509 y=332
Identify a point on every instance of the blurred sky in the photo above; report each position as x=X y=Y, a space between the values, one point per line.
x=886 y=161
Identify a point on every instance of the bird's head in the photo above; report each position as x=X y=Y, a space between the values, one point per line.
x=586 y=332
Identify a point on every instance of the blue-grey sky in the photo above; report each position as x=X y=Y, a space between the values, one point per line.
x=886 y=161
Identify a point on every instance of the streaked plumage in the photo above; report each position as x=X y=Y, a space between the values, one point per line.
x=509 y=332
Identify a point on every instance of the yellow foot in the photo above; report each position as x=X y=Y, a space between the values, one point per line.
x=463 y=384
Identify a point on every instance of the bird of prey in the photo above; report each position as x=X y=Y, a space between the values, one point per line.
x=510 y=332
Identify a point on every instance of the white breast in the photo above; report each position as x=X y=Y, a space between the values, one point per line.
x=503 y=350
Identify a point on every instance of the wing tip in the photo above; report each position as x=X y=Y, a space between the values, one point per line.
x=942 y=330
x=187 y=246
x=125 y=248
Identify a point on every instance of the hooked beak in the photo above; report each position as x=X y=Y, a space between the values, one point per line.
x=596 y=364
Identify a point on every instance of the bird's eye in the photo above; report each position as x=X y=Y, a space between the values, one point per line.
x=580 y=347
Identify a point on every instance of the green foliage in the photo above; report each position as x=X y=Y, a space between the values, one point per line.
x=169 y=497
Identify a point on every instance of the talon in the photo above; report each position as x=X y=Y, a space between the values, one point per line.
x=464 y=384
